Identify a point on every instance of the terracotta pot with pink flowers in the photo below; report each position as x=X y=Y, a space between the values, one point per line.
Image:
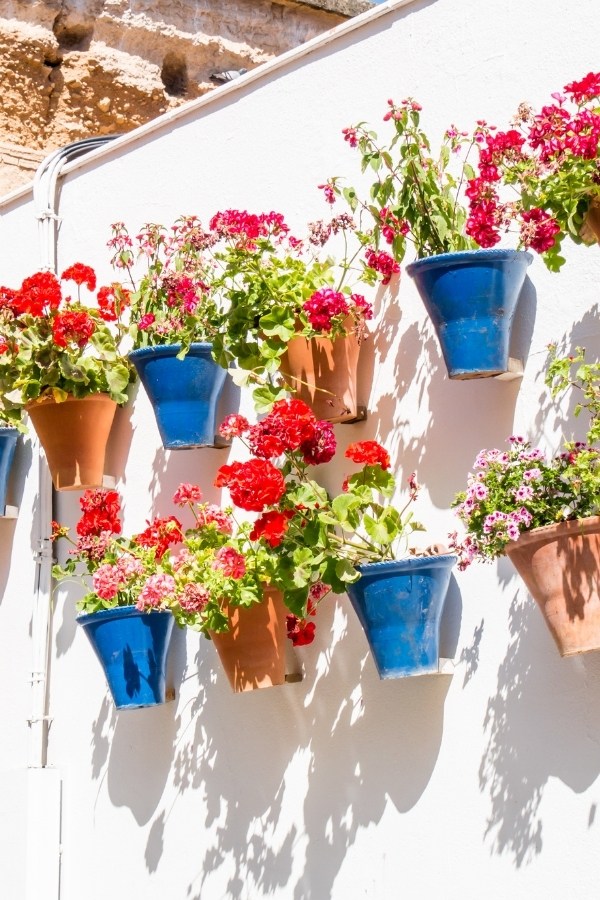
x=544 y=513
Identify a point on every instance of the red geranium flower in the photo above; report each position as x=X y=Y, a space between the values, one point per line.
x=370 y=453
x=72 y=327
x=38 y=293
x=80 y=274
x=100 y=513
x=289 y=424
x=321 y=446
x=271 y=526
x=112 y=300
x=253 y=485
x=8 y=298
x=299 y=631
x=160 y=534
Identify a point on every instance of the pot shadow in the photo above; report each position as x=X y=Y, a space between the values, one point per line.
x=200 y=466
x=120 y=741
x=239 y=768
x=119 y=442
x=523 y=323
x=481 y=408
x=451 y=621
x=135 y=778
x=66 y=594
x=236 y=755
x=529 y=740
x=349 y=782
x=486 y=408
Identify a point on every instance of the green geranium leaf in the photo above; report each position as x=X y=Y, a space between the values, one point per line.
x=346 y=572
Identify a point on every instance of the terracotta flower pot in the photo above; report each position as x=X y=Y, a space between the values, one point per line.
x=560 y=564
x=323 y=373
x=252 y=652
x=74 y=435
x=590 y=230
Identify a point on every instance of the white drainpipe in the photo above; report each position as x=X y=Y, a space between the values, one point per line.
x=44 y=783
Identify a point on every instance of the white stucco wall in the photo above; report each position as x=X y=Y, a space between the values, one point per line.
x=484 y=784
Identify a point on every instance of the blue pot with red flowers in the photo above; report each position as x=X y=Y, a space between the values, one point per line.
x=8 y=444
x=132 y=648
x=399 y=604
x=184 y=392
x=471 y=298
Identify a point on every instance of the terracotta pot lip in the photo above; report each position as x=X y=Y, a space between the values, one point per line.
x=465 y=257
x=119 y=612
x=46 y=399
x=442 y=560
x=168 y=350
x=587 y=525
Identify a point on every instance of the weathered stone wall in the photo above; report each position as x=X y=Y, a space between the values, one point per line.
x=79 y=68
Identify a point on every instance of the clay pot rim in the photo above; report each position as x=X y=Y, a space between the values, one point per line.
x=546 y=533
x=47 y=399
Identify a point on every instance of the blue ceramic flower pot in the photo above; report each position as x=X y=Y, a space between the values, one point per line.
x=8 y=443
x=399 y=605
x=132 y=648
x=471 y=298
x=184 y=392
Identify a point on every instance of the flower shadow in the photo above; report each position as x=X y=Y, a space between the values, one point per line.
x=525 y=724
x=558 y=414
x=313 y=803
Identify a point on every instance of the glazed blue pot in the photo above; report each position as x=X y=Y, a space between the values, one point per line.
x=471 y=298
x=8 y=443
x=132 y=648
x=183 y=392
x=399 y=605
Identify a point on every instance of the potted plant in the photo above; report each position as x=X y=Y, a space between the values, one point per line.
x=293 y=320
x=544 y=514
x=60 y=363
x=451 y=216
x=125 y=616
x=549 y=160
x=305 y=544
x=172 y=317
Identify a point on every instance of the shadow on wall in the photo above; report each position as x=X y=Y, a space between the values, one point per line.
x=479 y=412
x=555 y=413
x=342 y=784
x=134 y=776
x=535 y=732
x=535 y=729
